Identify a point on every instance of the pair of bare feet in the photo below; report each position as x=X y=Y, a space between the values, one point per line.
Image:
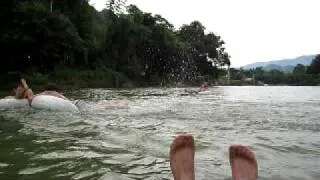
x=242 y=160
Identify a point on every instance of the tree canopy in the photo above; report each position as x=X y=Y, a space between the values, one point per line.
x=314 y=67
x=42 y=36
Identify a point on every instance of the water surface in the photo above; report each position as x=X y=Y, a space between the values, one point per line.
x=281 y=124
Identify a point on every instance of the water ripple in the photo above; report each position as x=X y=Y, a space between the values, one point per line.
x=126 y=133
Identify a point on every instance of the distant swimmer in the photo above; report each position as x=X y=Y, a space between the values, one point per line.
x=182 y=151
x=204 y=87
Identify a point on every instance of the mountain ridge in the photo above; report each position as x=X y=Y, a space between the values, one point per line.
x=283 y=64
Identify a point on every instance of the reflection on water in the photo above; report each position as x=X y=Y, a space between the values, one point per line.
x=281 y=124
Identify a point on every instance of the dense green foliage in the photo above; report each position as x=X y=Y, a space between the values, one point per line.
x=301 y=75
x=48 y=37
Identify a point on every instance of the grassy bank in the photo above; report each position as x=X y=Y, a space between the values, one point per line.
x=68 y=79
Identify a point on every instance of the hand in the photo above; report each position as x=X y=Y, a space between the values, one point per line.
x=24 y=83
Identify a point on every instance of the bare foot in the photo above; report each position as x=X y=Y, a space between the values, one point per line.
x=182 y=157
x=243 y=163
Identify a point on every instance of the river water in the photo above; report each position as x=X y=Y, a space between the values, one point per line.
x=280 y=124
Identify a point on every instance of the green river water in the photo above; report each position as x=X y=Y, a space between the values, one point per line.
x=280 y=124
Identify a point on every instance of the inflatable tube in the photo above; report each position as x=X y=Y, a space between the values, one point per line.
x=53 y=103
x=11 y=102
x=204 y=92
x=197 y=92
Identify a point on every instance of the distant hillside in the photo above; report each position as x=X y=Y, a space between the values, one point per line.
x=283 y=65
x=277 y=67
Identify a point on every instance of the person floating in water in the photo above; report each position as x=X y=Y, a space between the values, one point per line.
x=243 y=162
x=204 y=87
x=24 y=92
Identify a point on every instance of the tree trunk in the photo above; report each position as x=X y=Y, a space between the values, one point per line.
x=51 y=3
x=228 y=75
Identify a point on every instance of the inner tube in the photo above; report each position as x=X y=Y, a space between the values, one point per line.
x=204 y=92
x=53 y=103
x=12 y=102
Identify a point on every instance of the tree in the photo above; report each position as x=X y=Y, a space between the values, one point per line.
x=314 y=67
x=116 y=6
x=43 y=36
x=299 y=69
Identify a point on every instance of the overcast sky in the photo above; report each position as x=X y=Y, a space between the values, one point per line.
x=254 y=30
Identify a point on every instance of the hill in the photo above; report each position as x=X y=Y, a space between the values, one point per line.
x=283 y=65
x=287 y=68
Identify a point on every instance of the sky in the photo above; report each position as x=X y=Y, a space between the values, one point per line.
x=253 y=30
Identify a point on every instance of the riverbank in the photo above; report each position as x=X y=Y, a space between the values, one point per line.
x=67 y=79
x=310 y=80
x=73 y=79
